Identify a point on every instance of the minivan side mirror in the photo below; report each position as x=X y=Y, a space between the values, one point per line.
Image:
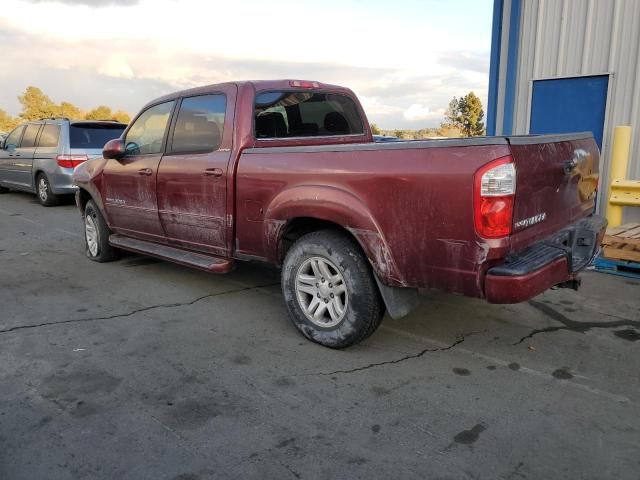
x=114 y=149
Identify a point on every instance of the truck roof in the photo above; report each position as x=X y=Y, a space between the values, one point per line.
x=256 y=84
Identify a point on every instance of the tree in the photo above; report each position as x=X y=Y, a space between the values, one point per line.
x=7 y=122
x=36 y=105
x=70 y=111
x=471 y=114
x=99 y=113
x=121 y=116
x=465 y=113
x=375 y=129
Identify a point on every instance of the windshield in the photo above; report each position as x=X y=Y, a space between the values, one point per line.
x=93 y=136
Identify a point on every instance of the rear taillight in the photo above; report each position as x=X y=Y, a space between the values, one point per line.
x=494 y=192
x=71 y=161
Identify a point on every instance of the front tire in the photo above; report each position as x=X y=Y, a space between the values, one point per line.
x=96 y=235
x=43 y=189
x=329 y=290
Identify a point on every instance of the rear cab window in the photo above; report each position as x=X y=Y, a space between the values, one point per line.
x=295 y=114
x=89 y=136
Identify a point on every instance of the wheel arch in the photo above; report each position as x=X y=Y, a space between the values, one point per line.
x=304 y=209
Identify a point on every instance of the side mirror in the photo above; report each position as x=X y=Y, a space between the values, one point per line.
x=114 y=149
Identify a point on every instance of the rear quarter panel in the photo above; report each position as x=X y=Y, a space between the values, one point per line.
x=409 y=207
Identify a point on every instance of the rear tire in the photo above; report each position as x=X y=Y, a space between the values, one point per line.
x=329 y=290
x=43 y=189
x=96 y=235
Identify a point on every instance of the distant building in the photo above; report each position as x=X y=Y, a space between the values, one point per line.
x=567 y=65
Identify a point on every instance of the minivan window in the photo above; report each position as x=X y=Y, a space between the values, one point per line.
x=93 y=136
x=147 y=133
x=305 y=114
x=14 y=137
x=49 y=136
x=30 y=134
x=200 y=124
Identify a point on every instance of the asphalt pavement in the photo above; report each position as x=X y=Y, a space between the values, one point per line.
x=142 y=369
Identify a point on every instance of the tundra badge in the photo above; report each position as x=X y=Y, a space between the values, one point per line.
x=527 y=222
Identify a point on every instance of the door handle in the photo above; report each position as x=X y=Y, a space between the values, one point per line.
x=213 y=172
x=145 y=171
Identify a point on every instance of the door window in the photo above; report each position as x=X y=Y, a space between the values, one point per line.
x=200 y=124
x=49 y=136
x=14 y=137
x=147 y=133
x=30 y=134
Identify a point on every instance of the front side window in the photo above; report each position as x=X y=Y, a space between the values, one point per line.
x=49 y=136
x=200 y=124
x=14 y=137
x=30 y=134
x=147 y=132
x=305 y=114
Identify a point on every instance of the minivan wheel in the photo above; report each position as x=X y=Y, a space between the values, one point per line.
x=43 y=190
x=329 y=290
x=96 y=235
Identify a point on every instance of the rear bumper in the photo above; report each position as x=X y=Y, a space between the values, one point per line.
x=545 y=264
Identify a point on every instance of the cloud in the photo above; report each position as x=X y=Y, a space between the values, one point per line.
x=466 y=61
x=418 y=111
x=127 y=73
x=91 y=3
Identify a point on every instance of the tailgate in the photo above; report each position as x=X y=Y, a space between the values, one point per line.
x=556 y=183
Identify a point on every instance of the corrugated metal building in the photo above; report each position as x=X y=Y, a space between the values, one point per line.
x=567 y=65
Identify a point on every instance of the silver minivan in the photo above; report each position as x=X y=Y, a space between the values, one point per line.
x=40 y=156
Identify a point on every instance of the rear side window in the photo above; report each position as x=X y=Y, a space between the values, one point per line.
x=200 y=124
x=88 y=136
x=49 y=136
x=305 y=114
x=29 y=138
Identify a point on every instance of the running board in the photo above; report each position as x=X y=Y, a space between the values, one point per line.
x=208 y=263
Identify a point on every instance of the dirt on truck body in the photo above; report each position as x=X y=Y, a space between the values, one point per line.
x=287 y=172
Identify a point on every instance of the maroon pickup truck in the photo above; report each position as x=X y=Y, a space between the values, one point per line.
x=287 y=172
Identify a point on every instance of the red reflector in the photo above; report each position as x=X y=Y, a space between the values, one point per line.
x=304 y=84
x=71 y=161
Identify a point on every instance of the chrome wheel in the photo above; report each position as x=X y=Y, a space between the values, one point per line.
x=321 y=292
x=43 y=189
x=91 y=234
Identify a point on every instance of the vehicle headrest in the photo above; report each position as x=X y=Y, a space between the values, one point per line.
x=271 y=125
x=335 y=122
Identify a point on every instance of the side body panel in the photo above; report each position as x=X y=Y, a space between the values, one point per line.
x=129 y=195
x=192 y=191
x=410 y=208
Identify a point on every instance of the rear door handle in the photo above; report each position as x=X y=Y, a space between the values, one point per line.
x=145 y=171
x=213 y=172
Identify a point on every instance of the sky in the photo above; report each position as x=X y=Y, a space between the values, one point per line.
x=405 y=59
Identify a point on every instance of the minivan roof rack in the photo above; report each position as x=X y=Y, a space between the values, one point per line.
x=55 y=118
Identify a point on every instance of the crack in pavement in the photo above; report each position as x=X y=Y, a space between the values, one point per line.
x=137 y=310
x=461 y=338
x=572 y=325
